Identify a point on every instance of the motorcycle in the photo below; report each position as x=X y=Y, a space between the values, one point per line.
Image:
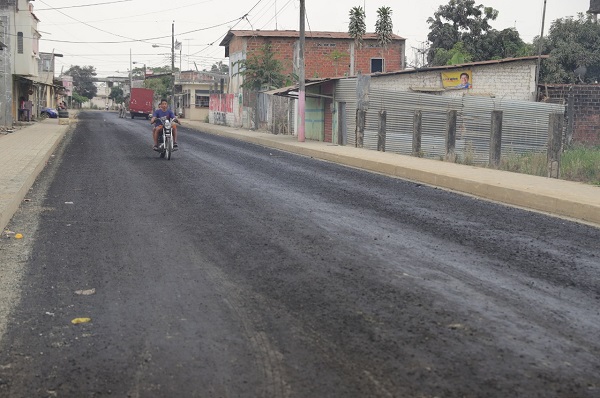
x=165 y=138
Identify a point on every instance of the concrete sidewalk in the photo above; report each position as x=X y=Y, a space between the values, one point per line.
x=24 y=153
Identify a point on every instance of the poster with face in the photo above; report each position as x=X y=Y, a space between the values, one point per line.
x=457 y=80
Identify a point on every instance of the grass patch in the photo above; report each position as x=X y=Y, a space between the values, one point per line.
x=534 y=163
x=581 y=164
x=576 y=164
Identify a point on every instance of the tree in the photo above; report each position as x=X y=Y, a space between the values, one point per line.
x=262 y=70
x=160 y=81
x=138 y=73
x=336 y=56
x=79 y=99
x=219 y=67
x=456 y=55
x=572 y=44
x=357 y=27
x=160 y=85
x=83 y=80
x=500 y=44
x=459 y=21
x=384 y=26
x=116 y=94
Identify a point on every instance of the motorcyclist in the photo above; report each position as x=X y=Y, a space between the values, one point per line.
x=158 y=113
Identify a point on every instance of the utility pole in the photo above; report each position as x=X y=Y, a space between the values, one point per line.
x=539 y=60
x=173 y=66
x=130 y=73
x=301 y=78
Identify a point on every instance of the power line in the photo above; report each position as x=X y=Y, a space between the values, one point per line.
x=87 y=24
x=81 y=5
x=245 y=16
x=131 y=40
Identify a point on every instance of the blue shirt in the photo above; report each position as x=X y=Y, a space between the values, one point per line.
x=160 y=113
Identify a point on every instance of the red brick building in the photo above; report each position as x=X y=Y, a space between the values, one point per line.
x=326 y=54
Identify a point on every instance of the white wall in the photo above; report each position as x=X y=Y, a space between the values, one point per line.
x=508 y=80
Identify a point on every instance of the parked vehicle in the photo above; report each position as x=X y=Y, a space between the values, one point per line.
x=48 y=112
x=165 y=138
x=140 y=103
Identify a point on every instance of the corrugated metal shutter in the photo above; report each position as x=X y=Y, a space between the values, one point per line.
x=346 y=92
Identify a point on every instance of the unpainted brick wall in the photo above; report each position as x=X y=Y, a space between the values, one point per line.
x=586 y=109
x=323 y=57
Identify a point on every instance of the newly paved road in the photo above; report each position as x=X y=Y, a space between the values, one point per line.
x=241 y=271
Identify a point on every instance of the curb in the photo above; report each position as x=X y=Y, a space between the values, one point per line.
x=568 y=199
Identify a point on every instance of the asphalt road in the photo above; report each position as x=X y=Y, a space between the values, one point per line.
x=239 y=271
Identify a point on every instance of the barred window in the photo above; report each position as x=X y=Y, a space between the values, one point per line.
x=202 y=101
x=20 y=42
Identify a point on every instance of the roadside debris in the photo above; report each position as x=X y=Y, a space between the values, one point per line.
x=80 y=320
x=86 y=292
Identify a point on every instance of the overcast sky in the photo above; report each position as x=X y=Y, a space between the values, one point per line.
x=103 y=33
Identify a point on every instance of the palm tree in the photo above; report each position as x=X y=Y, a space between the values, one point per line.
x=357 y=27
x=383 y=27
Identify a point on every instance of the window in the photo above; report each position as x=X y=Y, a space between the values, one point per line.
x=46 y=65
x=202 y=101
x=377 y=65
x=20 y=42
x=186 y=98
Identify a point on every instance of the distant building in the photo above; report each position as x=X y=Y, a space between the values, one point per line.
x=193 y=90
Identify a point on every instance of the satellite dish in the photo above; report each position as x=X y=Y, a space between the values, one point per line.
x=580 y=73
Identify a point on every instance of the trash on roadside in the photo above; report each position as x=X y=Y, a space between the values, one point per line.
x=68 y=203
x=86 y=292
x=50 y=313
x=8 y=233
x=80 y=320
x=18 y=236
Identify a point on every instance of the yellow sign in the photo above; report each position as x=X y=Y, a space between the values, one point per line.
x=457 y=80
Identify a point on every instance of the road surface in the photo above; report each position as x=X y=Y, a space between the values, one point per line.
x=240 y=271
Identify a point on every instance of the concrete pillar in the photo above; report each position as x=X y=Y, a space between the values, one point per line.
x=417 y=132
x=451 y=136
x=382 y=131
x=361 y=117
x=555 y=128
x=496 y=139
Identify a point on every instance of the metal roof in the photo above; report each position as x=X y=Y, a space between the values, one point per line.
x=291 y=91
x=461 y=66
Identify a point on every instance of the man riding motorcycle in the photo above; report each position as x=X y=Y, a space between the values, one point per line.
x=158 y=113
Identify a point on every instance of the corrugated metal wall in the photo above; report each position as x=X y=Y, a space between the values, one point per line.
x=346 y=92
x=524 y=125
